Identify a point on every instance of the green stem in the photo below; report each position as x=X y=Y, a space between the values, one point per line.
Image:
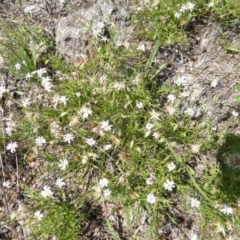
x=197 y=187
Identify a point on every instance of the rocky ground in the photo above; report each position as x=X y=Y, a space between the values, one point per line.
x=203 y=58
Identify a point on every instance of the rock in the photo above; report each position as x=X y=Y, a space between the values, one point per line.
x=104 y=20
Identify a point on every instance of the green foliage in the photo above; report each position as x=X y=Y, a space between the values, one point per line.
x=165 y=22
x=110 y=122
x=25 y=45
x=60 y=222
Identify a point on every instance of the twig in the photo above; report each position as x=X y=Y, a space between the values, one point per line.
x=17 y=175
x=3 y=179
x=3 y=174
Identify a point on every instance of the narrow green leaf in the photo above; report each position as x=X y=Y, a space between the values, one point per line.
x=63 y=114
x=112 y=231
x=179 y=159
x=152 y=56
x=33 y=51
x=147 y=134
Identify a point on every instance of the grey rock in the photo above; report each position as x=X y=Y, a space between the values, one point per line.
x=74 y=32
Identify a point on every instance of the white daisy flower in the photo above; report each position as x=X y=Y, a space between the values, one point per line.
x=111 y=218
x=12 y=147
x=119 y=86
x=156 y=135
x=6 y=184
x=118 y=43
x=62 y=2
x=41 y=71
x=214 y=83
x=60 y=183
x=38 y=215
x=18 y=66
x=154 y=115
x=171 y=166
x=40 y=141
x=190 y=112
x=149 y=126
x=190 y=6
x=85 y=112
x=106 y=126
x=90 y=141
x=195 y=148
x=46 y=192
x=28 y=75
x=63 y=100
x=26 y=102
x=234 y=113
x=181 y=81
x=107 y=193
x=177 y=15
x=171 y=110
x=48 y=87
x=103 y=182
x=150 y=181
x=63 y=164
x=227 y=210
x=68 y=137
x=195 y=203
x=193 y=236
x=107 y=147
x=171 y=98
x=2 y=90
x=169 y=185
x=151 y=198
x=9 y=131
x=183 y=8
x=45 y=80
x=141 y=47
x=139 y=105
x=211 y=4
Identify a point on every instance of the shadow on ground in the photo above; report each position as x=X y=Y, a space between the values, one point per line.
x=228 y=157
